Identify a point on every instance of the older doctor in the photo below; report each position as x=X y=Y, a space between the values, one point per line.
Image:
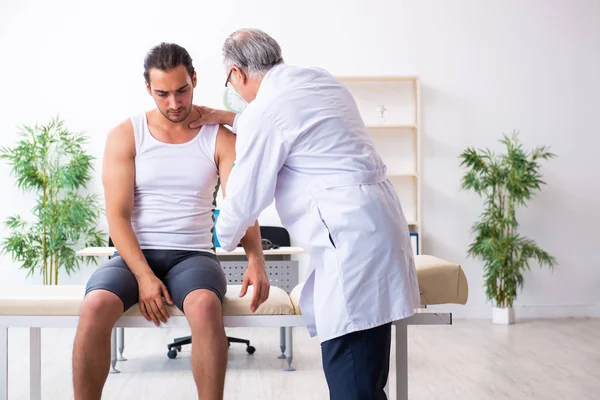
x=302 y=143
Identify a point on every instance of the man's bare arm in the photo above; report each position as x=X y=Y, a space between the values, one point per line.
x=118 y=173
x=118 y=181
x=256 y=275
x=225 y=157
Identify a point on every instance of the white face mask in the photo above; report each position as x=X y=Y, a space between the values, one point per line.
x=233 y=101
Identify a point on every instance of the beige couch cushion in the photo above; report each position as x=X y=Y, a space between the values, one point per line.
x=295 y=297
x=65 y=300
x=440 y=282
x=278 y=303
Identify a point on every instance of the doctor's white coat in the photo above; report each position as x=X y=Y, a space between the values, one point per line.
x=302 y=143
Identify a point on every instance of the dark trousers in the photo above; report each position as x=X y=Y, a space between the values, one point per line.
x=356 y=365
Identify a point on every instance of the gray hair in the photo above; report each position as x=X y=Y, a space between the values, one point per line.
x=253 y=51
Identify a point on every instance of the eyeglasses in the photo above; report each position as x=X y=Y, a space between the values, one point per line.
x=228 y=77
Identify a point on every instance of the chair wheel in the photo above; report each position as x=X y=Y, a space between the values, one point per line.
x=172 y=354
x=250 y=349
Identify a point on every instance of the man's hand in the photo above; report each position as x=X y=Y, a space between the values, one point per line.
x=151 y=303
x=256 y=275
x=211 y=116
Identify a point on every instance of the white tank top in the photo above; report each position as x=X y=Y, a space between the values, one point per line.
x=175 y=190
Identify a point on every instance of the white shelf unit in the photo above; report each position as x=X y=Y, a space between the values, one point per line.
x=396 y=136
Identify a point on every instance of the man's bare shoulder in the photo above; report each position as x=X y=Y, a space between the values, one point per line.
x=225 y=146
x=121 y=138
x=225 y=138
x=122 y=130
x=225 y=131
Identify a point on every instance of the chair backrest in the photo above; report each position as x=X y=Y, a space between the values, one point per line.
x=276 y=234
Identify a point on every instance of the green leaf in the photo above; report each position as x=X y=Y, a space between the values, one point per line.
x=504 y=182
x=50 y=161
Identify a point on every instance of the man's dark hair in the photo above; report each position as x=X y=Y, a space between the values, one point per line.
x=165 y=57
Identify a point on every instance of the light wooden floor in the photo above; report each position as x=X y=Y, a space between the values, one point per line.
x=470 y=360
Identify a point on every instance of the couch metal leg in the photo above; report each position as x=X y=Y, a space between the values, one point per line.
x=35 y=363
x=401 y=338
x=3 y=363
x=289 y=348
x=282 y=342
x=121 y=343
x=113 y=351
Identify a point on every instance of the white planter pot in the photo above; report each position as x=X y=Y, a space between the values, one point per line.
x=503 y=316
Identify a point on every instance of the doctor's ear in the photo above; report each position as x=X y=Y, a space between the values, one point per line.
x=238 y=74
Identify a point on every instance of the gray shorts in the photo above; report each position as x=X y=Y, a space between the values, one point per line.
x=181 y=272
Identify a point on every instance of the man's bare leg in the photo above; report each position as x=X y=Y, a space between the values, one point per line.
x=209 y=343
x=91 y=350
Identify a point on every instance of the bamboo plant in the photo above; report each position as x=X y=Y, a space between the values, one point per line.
x=504 y=182
x=50 y=161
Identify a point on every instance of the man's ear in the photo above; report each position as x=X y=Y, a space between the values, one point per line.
x=240 y=76
x=148 y=88
x=194 y=80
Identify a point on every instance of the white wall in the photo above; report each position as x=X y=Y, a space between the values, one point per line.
x=486 y=68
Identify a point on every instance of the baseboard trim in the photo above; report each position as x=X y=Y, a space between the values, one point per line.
x=558 y=311
x=522 y=311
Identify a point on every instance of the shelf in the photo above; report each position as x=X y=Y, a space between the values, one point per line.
x=389 y=106
x=391 y=127
x=377 y=78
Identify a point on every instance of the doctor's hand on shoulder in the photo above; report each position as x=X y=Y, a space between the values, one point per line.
x=256 y=276
x=211 y=116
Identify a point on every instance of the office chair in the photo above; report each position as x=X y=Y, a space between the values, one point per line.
x=272 y=237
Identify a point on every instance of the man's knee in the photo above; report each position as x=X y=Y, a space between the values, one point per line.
x=203 y=305
x=100 y=307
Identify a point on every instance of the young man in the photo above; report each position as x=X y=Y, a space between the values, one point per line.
x=160 y=182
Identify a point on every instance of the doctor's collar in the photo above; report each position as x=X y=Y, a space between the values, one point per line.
x=266 y=77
